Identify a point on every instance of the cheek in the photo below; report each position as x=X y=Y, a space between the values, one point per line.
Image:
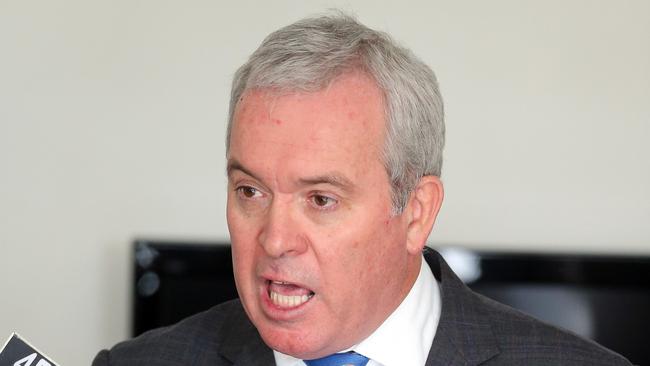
x=383 y=252
x=239 y=225
x=357 y=259
x=242 y=242
x=230 y=214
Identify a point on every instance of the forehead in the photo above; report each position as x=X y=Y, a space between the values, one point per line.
x=354 y=93
x=343 y=123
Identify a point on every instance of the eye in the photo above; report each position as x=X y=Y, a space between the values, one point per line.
x=248 y=192
x=323 y=202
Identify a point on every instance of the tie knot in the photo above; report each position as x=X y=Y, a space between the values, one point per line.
x=339 y=359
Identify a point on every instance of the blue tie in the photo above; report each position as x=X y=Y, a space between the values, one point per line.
x=339 y=359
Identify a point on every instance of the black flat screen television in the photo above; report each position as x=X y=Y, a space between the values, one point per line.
x=605 y=298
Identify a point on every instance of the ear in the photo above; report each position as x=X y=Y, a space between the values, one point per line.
x=422 y=210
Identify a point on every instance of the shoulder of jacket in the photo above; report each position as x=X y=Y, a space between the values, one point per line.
x=184 y=343
x=526 y=339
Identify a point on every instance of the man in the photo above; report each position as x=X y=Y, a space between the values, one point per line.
x=334 y=152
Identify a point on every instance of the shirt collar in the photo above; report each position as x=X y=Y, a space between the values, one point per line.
x=405 y=337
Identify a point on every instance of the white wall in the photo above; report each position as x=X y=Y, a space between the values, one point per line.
x=112 y=122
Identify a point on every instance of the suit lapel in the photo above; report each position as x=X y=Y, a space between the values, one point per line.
x=242 y=344
x=464 y=335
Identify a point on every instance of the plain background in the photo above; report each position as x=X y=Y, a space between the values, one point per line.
x=112 y=120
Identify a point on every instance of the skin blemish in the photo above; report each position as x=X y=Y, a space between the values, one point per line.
x=276 y=121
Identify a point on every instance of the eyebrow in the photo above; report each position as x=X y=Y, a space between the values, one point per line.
x=333 y=178
x=236 y=165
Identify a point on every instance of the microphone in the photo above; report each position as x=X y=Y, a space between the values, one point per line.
x=18 y=352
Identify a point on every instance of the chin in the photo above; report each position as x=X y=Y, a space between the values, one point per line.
x=292 y=343
x=285 y=344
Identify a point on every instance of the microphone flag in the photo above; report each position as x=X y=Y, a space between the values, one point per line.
x=18 y=352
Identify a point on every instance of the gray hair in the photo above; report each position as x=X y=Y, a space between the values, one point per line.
x=311 y=53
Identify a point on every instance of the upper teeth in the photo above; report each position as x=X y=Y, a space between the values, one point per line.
x=288 y=300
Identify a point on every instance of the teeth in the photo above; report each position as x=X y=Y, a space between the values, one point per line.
x=285 y=301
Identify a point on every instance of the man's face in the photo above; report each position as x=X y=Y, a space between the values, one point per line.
x=319 y=260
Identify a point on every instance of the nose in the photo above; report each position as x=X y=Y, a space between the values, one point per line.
x=281 y=234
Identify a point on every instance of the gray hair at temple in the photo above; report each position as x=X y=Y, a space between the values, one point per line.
x=311 y=53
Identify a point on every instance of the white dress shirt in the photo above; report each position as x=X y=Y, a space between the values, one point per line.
x=405 y=337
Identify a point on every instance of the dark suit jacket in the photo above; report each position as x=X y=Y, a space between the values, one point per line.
x=473 y=330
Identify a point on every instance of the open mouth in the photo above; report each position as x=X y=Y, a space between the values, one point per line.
x=287 y=295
